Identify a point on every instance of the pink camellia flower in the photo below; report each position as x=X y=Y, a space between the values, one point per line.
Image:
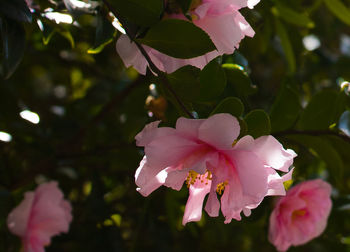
x=219 y=18
x=206 y=154
x=42 y=214
x=301 y=215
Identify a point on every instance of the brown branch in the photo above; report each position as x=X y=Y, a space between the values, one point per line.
x=151 y=65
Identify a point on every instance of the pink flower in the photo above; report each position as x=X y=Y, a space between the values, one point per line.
x=206 y=154
x=219 y=18
x=301 y=215
x=42 y=214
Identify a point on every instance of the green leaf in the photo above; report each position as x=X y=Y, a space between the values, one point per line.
x=231 y=105
x=104 y=34
x=286 y=45
x=319 y=113
x=185 y=82
x=16 y=10
x=140 y=12
x=212 y=81
x=291 y=16
x=239 y=80
x=258 y=123
x=285 y=110
x=339 y=10
x=13 y=39
x=325 y=151
x=178 y=38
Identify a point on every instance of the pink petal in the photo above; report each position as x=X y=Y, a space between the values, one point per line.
x=272 y=153
x=223 y=30
x=131 y=55
x=17 y=220
x=169 y=150
x=219 y=131
x=198 y=191
x=149 y=178
x=212 y=206
x=175 y=178
x=188 y=127
x=151 y=132
x=275 y=182
x=252 y=175
x=232 y=201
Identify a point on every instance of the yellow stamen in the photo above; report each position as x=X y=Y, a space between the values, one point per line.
x=221 y=187
x=194 y=176
x=298 y=213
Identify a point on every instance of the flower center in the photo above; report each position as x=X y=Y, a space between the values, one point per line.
x=193 y=177
x=221 y=187
x=298 y=213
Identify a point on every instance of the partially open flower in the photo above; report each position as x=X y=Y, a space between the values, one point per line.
x=301 y=215
x=42 y=214
x=222 y=21
x=207 y=155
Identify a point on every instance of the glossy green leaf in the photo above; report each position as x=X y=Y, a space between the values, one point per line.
x=285 y=109
x=13 y=39
x=325 y=151
x=231 y=105
x=340 y=10
x=212 y=81
x=286 y=45
x=238 y=80
x=178 y=38
x=185 y=82
x=140 y=12
x=291 y=16
x=258 y=123
x=104 y=34
x=319 y=113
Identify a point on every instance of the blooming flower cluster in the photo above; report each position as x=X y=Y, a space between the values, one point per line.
x=42 y=214
x=301 y=215
x=207 y=155
x=220 y=19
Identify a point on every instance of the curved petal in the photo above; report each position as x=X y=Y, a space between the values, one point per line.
x=275 y=182
x=17 y=220
x=188 y=127
x=198 y=191
x=272 y=153
x=219 y=131
x=232 y=201
x=148 y=178
x=212 y=206
x=131 y=55
x=175 y=178
x=223 y=31
x=169 y=151
x=251 y=173
x=151 y=132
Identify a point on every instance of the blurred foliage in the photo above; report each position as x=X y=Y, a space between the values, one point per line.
x=59 y=61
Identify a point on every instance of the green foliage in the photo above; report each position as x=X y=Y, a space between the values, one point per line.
x=140 y=12
x=178 y=38
x=91 y=107
x=258 y=123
